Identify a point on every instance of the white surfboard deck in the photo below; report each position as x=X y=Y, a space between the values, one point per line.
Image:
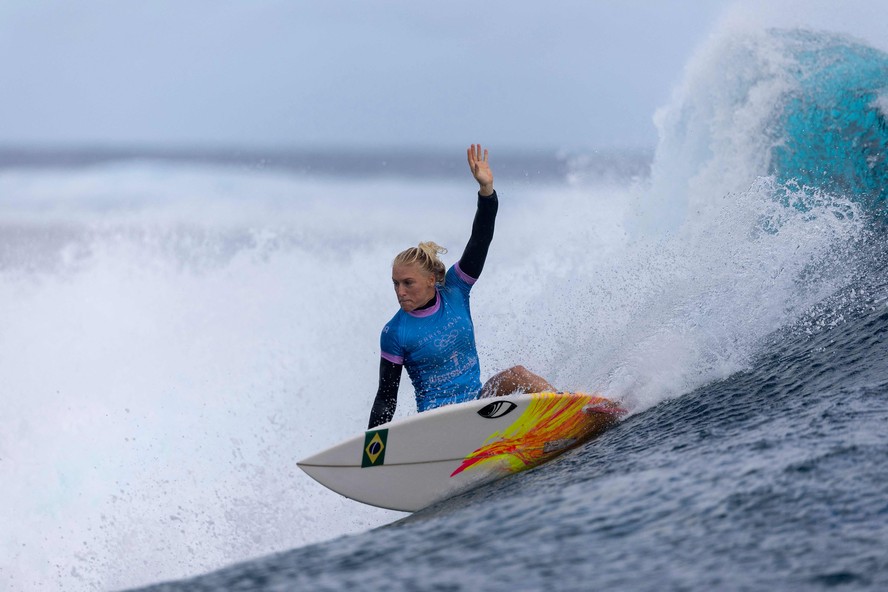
x=414 y=462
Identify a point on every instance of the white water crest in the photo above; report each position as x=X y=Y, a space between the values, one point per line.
x=171 y=343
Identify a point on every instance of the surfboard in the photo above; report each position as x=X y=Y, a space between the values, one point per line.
x=412 y=463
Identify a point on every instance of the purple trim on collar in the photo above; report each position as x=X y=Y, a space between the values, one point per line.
x=464 y=276
x=427 y=312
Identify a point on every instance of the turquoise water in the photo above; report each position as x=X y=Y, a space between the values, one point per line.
x=832 y=129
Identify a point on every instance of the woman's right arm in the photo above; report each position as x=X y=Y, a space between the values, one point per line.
x=472 y=261
x=480 y=167
x=387 y=393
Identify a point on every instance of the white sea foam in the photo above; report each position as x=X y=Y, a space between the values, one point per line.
x=171 y=343
x=882 y=103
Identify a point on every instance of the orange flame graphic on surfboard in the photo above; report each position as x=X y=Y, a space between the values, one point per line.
x=548 y=426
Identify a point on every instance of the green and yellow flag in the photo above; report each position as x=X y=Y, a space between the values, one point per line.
x=374 y=448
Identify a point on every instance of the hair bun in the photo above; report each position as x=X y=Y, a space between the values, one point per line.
x=426 y=256
x=432 y=249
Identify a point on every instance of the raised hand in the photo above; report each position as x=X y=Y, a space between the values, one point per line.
x=480 y=169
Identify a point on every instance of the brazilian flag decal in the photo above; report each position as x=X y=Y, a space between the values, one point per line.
x=374 y=448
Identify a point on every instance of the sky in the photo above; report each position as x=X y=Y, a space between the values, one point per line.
x=560 y=74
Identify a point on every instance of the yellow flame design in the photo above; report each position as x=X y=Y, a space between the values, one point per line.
x=557 y=420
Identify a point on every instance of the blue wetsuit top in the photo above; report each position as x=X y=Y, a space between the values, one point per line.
x=436 y=342
x=437 y=345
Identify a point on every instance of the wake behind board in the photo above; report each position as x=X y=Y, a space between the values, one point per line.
x=414 y=462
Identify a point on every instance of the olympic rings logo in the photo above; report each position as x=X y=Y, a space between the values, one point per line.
x=446 y=341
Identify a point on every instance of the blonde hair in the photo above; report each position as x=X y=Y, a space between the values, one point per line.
x=426 y=256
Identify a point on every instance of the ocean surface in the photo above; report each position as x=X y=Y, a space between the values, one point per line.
x=179 y=327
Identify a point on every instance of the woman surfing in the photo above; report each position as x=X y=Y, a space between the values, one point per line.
x=432 y=335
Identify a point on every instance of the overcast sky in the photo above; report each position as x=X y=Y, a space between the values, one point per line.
x=327 y=73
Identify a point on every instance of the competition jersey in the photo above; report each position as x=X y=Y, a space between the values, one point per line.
x=437 y=345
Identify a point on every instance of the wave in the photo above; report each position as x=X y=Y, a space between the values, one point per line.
x=805 y=107
x=832 y=128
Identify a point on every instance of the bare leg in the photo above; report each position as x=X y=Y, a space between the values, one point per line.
x=516 y=379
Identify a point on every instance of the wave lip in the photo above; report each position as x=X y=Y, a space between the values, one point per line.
x=809 y=109
x=833 y=130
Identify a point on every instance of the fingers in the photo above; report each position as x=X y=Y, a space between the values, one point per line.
x=475 y=154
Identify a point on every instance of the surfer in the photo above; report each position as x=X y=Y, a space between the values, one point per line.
x=433 y=335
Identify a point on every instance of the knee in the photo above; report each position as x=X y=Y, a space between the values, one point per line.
x=519 y=370
x=520 y=376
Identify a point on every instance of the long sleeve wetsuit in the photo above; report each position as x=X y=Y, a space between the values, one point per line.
x=469 y=269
